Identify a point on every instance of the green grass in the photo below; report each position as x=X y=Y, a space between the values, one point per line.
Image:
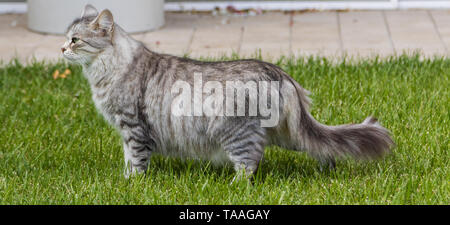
x=56 y=149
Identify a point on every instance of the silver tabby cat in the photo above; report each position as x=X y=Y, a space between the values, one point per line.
x=131 y=87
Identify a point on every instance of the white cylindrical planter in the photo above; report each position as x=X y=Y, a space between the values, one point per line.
x=53 y=16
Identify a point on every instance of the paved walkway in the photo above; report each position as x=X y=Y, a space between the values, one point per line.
x=360 y=34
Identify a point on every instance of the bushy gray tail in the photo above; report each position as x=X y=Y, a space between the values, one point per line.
x=368 y=140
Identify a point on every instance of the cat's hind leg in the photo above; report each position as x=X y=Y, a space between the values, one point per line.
x=327 y=163
x=245 y=148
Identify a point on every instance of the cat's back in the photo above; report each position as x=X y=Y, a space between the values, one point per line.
x=184 y=67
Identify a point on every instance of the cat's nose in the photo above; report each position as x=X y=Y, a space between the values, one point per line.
x=63 y=49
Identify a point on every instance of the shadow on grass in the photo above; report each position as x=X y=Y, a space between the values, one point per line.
x=279 y=164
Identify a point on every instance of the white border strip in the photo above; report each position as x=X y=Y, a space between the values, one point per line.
x=279 y=5
x=318 y=5
x=424 y=5
x=21 y=7
x=13 y=7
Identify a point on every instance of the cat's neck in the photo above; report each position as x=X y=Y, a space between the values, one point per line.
x=114 y=61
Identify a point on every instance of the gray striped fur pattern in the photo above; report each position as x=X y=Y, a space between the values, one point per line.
x=131 y=88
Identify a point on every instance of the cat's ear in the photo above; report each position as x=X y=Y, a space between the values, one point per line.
x=104 y=21
x=88 y=11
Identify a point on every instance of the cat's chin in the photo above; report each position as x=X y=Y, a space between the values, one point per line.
x=69 y=58
x=72 y=60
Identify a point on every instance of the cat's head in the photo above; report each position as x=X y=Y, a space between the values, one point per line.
x=89 y=35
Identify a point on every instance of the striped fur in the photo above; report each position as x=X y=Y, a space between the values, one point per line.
x=131 y=88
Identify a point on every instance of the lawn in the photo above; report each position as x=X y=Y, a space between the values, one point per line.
x=56 y=149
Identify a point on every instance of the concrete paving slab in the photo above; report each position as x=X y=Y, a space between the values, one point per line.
x=169 y=41
x=139 y=36
x=19 y=43
x=49 y=48
x=216 y=36
x=442 y=22
x=181 y=20
x=215 y=41
x=269 y=33
x=414 y=30
x=273 y=34
x=364 y=34
x=316 y=34
x=11 y=24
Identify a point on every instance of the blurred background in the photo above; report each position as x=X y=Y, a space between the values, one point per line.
x=270 y=29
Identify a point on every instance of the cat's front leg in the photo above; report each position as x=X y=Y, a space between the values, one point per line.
x=137 y=151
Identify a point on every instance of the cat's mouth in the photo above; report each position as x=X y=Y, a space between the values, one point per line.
x=70 y=56
x=67 y=56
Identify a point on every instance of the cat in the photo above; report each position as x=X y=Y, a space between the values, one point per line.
x=133 y=87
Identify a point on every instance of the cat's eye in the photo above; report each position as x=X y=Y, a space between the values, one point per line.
x=74 y=40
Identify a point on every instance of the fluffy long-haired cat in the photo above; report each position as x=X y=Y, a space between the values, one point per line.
x=133 y=88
